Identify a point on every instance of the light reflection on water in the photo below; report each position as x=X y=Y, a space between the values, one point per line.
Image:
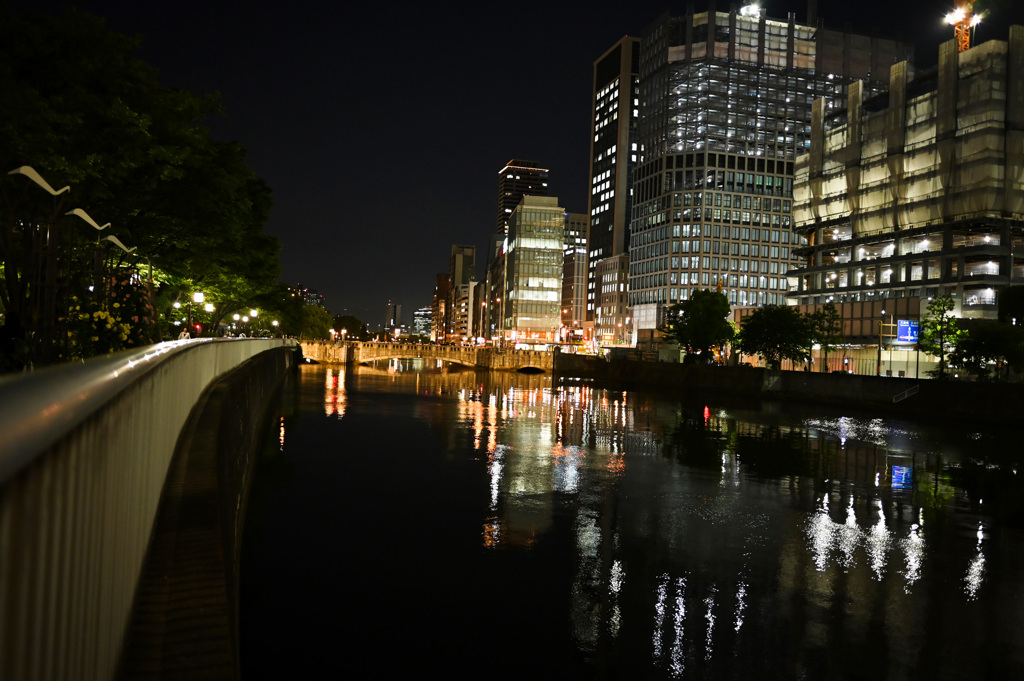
x=705 y=541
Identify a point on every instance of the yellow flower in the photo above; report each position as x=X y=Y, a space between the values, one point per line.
x=116 y=305
x=94 y=339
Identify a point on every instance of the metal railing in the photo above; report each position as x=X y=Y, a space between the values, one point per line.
x=84 y=452
x=906 y=393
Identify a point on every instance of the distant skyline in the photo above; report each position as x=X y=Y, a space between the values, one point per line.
x=381 y=127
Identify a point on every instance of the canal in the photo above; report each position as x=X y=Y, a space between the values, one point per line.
x=408 y=519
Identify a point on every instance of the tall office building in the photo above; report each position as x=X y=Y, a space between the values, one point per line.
x=392 y=315
x=461 y=272
x=531 y=304
x=439 y=308
x=574 y=273
x=613 y=155
x=726 y=108
x=517 y=179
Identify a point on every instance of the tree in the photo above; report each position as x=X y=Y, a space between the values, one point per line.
x=1011 y=305
x=316 y=322
x=775 y=333
x=826 y=326
x=976 y=348
x=699 y=324
x=939 y=332
x=82 y=110
x=355 y=329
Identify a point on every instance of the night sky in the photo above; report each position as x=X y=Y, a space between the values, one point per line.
x=381 y=126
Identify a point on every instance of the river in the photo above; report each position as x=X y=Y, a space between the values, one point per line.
x=407 y=519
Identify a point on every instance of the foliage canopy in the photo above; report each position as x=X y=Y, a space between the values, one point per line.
x=699 y=324
x=82 y=110
x=775 y=333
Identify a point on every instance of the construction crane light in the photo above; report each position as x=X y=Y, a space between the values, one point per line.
x=955 y=17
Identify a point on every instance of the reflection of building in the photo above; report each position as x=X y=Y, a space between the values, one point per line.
x=725 y=109
x=533 y=271
x=918 y=192
x=613 y=154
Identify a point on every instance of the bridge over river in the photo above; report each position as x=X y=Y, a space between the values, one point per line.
x=494 y=359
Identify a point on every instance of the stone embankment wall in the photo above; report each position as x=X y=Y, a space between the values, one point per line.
x=925 y=398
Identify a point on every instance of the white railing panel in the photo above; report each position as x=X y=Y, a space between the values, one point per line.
x=84 y=454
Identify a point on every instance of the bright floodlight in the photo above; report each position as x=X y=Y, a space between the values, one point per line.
x=209 y=307
x=198 y=296
x=751 y=10
x=955 y=17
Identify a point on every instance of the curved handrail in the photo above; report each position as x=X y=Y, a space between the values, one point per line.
x=41 y=407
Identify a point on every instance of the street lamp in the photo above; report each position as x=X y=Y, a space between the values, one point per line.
x=881 y=328
x=198 y=298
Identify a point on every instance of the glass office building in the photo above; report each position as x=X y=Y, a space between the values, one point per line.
x=726 y=108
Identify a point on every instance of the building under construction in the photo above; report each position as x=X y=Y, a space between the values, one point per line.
x=917 y=192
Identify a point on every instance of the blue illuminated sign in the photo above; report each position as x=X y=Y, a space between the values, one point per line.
x=902 y=477
x=907 y=330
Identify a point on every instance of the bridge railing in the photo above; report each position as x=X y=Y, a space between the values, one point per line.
x=84 y=452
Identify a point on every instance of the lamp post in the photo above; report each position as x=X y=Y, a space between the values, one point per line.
x=198 y=298
x=881 y=326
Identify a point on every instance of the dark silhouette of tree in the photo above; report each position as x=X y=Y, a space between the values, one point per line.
x=699 y=324
x=826 y=330
x=775 y=333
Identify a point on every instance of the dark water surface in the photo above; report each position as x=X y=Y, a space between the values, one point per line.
x=406 y=522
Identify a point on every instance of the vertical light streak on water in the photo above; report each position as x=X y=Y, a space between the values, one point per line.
x=616 y=578
x=849 y=536
x=741 y=606
x=879 y=542
x=709 y=618
x=913 y=549
x=659 y=615
x=820 y=534
x=495 y=467
x=976 y=568
x=492 y=423
x=677 y=660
